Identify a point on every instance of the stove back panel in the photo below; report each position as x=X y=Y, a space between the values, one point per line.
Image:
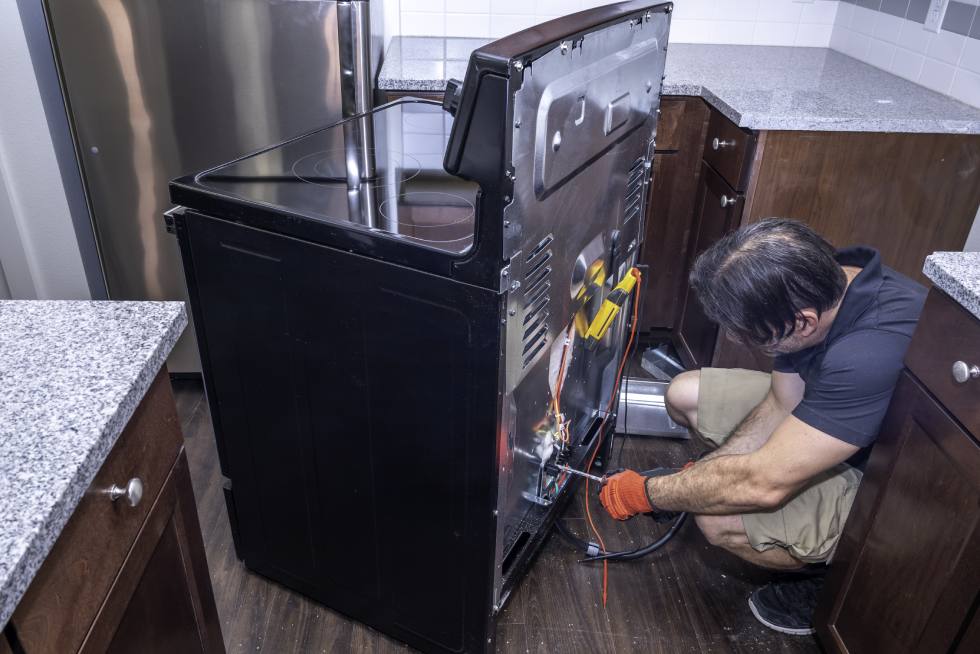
x=582 y=138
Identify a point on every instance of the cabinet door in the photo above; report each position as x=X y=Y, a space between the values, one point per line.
x=670 y=210
x=906 y=572
x=717 y=212
x=162 y=601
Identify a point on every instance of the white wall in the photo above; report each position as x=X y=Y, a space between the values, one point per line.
x=39 y=253
x=763 y=22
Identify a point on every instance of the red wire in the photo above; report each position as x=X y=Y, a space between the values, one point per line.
x=605 y=418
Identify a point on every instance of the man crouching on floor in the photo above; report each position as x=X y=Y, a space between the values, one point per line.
x=790 y=447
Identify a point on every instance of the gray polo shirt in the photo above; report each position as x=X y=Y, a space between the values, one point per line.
x=851 y=375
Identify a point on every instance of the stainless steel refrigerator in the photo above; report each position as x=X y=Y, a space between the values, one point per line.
x=158 y=88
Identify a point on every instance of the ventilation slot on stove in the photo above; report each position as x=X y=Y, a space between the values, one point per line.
x=537 y=297
x=634 y=191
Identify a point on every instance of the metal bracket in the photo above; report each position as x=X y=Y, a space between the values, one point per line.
x=169 y=217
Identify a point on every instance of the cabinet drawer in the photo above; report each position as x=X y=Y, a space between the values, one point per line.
x=67 y=592
x=947 y=333
x=728 y=149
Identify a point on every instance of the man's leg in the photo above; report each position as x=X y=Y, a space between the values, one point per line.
x=711 y=402
x=728 y=532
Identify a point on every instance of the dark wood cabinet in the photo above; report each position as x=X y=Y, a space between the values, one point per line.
x=673 y=189
x=125 y=578
x=717 y=212
x=906 y=574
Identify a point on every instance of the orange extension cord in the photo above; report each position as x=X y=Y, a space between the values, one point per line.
x=612 y=402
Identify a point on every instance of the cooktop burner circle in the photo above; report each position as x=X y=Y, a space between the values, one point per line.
x=433 y=216
x=329 y=167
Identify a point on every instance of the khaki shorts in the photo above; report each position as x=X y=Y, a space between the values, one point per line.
x=809 y=525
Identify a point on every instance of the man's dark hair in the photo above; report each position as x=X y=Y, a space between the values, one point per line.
x=755 y=280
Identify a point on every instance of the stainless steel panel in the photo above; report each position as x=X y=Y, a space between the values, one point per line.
x=571 y=233
x=643 y=412
x=160 y=88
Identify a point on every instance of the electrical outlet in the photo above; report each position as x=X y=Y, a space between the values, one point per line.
x=937 y=11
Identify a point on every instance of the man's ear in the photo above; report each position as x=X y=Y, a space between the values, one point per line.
x=807 y=321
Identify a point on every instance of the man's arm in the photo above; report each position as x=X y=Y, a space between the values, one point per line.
x=784 y=394
x=759 y=480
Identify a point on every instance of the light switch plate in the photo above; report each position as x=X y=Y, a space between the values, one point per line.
x=937 y=11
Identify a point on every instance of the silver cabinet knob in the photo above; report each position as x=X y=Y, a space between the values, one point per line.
x=727 y=201
x=133 y=492
x=964 y=372
x=718 y=144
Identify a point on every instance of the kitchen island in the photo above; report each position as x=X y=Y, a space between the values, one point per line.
x=95 y=498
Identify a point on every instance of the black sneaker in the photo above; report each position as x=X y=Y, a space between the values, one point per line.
x=787 y=606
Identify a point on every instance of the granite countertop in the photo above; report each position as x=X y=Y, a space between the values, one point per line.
x=71 y=375
x=757 y=87
x=958 y=274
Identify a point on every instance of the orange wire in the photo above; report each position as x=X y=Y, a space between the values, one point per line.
x=612 y=400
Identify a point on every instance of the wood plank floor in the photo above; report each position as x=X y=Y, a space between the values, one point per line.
x=688 y=597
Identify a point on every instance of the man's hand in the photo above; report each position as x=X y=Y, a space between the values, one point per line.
x=624 y=494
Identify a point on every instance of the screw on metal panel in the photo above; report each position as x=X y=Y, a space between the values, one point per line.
x=496 y=607
x=506 y=198
x=517 y=124
x=512 y=312
x=506 y=224
x=514 y=285
x=668 y=9
x=649 y=87
x=496 y=512
x=505 y=273
x=94 y=149
x=564 y=47
x=649 y=16
x=519 y=65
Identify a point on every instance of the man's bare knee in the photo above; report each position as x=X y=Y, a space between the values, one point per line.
x=681 y=399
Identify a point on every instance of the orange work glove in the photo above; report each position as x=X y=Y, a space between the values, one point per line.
x=625 y=494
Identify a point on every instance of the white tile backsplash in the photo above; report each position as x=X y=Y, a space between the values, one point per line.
x=936 y=75
x=881 y=53
x=770 y=33
x=803 y=22
x=946 y=47
x=966 y=87
x=907 y=64
x=946 y=62
x=468 y=25
x=505 y=7
x=970 y=59
x=420 y=23
x=888 y=28
x=863 y=21
x=813 y=35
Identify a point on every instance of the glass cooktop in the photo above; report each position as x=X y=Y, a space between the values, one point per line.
x=380 y=172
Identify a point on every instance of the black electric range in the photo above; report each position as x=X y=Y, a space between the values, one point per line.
x=387 y=308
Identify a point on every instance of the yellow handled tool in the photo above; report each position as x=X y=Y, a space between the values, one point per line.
x=610 y=308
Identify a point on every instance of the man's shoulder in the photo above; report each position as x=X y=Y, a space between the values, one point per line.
x=869 y=358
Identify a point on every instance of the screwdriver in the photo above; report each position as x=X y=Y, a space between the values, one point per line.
x=573 y=471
